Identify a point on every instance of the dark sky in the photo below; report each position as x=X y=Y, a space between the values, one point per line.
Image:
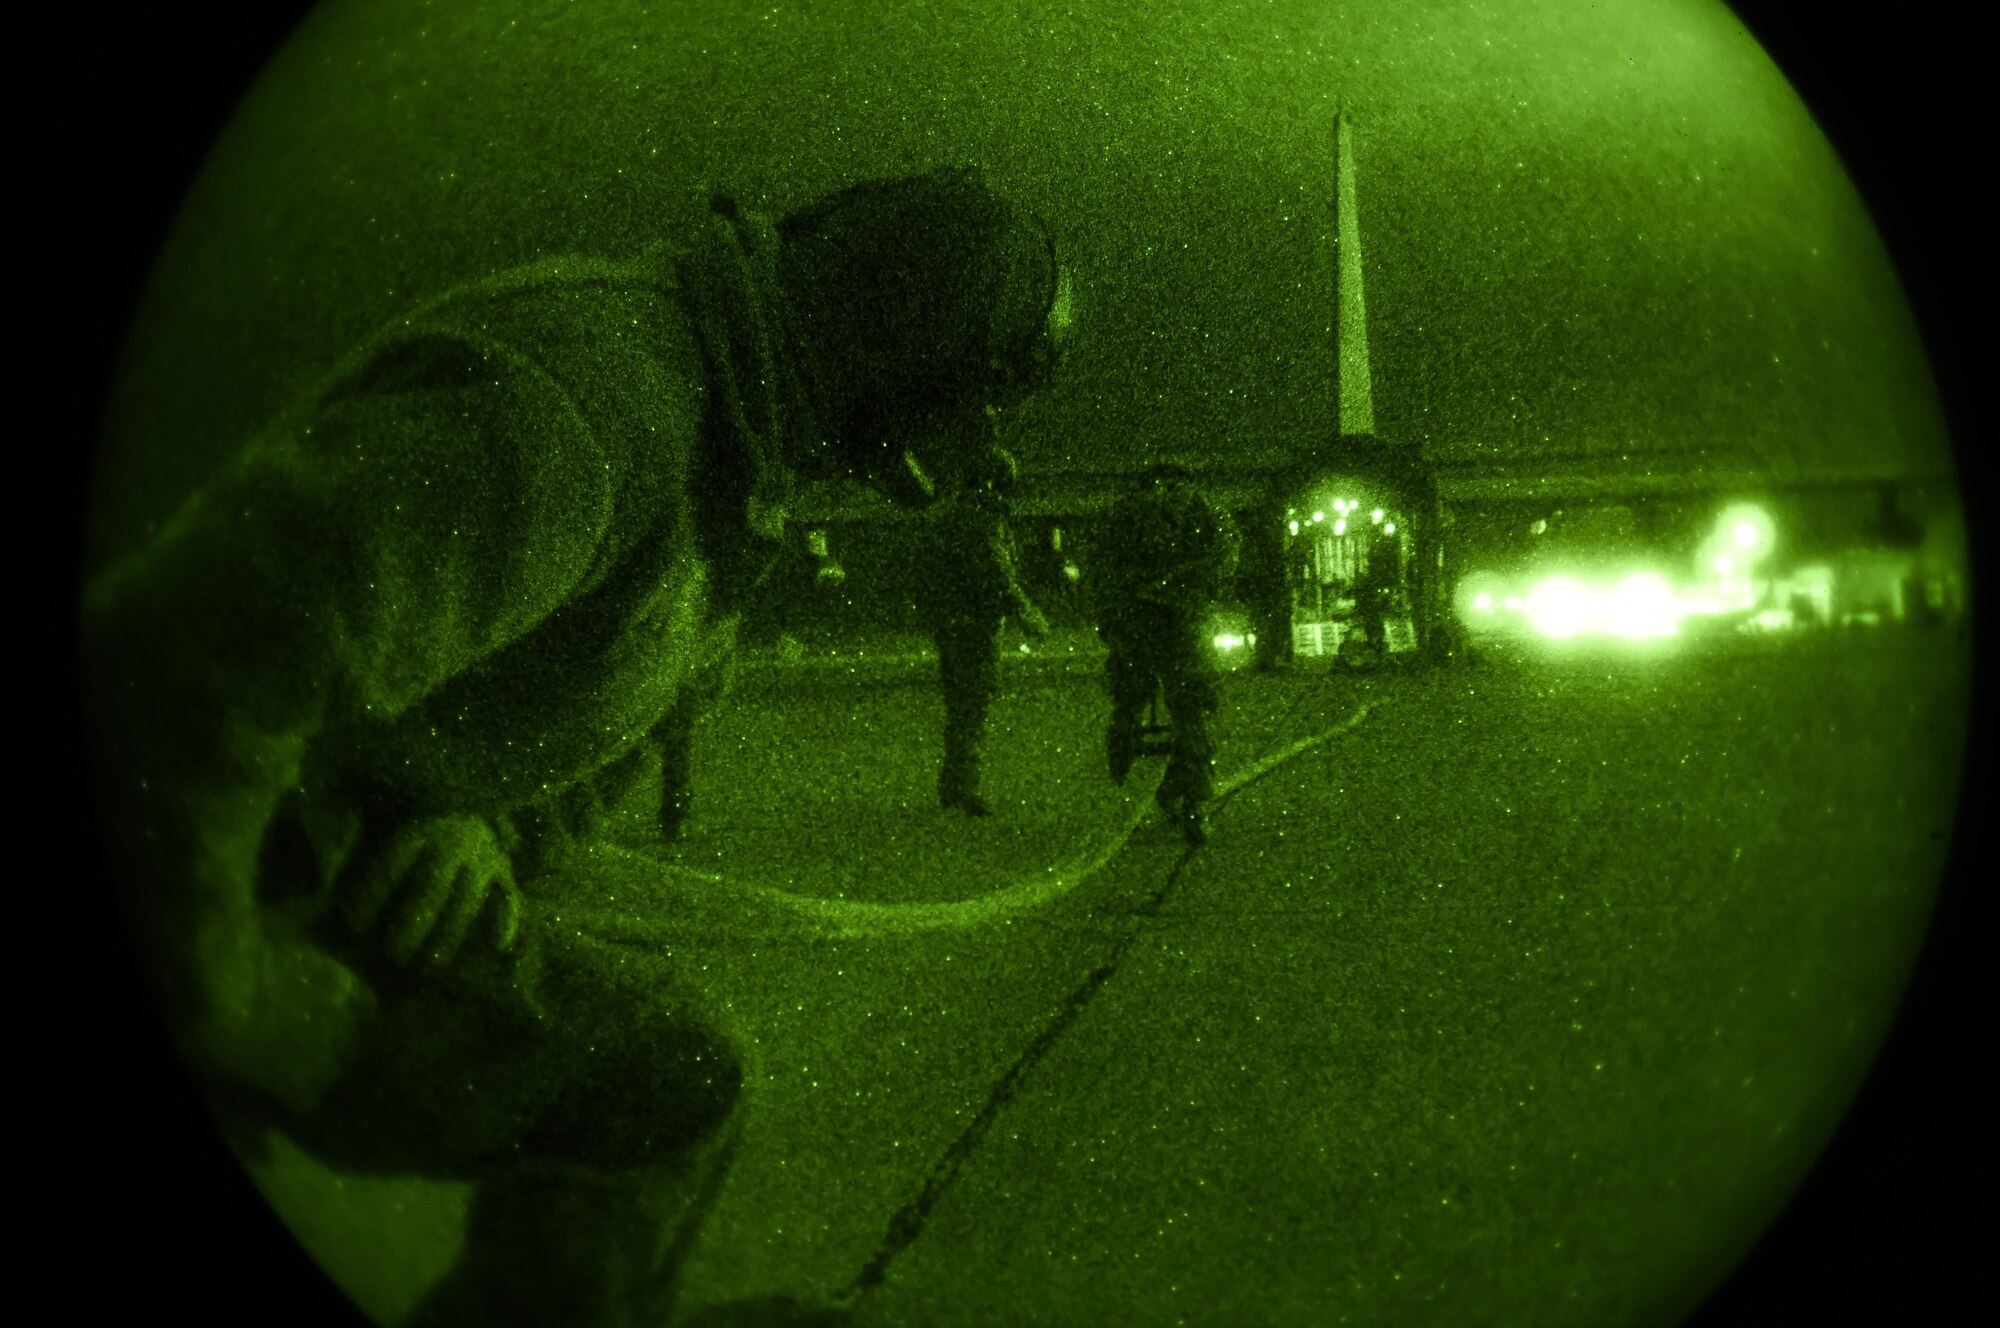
x=1587 y=228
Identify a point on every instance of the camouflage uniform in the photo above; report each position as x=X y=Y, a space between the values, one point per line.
x=972 y=584
x=1164 y=553
x=1264 y=582
x=1374 y=592
x=453 y=612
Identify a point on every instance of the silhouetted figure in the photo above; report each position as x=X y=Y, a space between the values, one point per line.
x=970 y=586
x=1375 y=594
x=361 y=699
x=1399 y=476
x=1264 y=582
x=1164 y=553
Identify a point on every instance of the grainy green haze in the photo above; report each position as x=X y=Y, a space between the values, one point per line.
x=1586 y=227
x=1526 y=1001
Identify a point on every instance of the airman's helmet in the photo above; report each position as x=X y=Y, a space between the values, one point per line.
x=939 y=295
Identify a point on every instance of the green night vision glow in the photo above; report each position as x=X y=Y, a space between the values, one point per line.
x=651 y=790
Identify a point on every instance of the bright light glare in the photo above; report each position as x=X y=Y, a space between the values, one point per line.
x=1643 y=606
x=1319 y=516
x=1295 y=527
x=1389 y=529
x=1559 y=607
x=1770 y=620
x=1746 y=528
x=1375 y=515
x=1340 y=526
x=1724 y=563
x=1228 y=641
x=1479 y=593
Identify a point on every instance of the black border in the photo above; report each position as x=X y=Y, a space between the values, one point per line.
x=148 y=1217
x=134 y=101
x=1876 y=1233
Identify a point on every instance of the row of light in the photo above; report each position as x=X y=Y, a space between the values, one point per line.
x=1644 y=604
x=1342 y=509
x=1641 y=606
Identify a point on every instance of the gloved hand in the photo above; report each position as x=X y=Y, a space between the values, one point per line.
x=418 y=896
